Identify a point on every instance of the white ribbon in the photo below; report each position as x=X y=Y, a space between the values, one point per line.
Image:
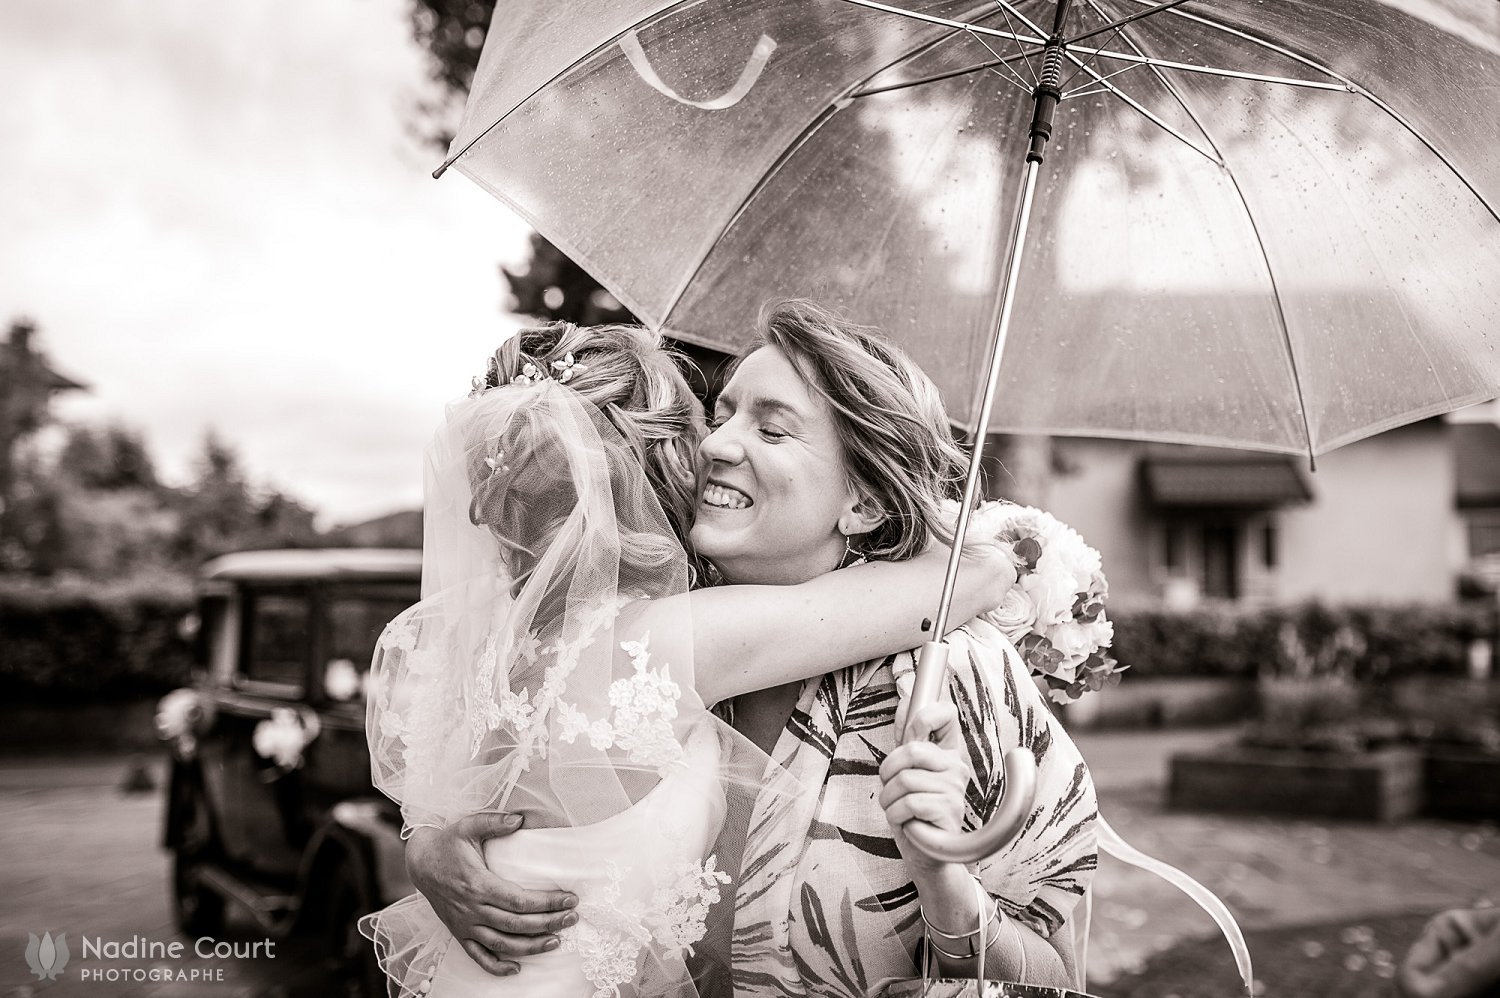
x=631 y=46
x=1110 y=842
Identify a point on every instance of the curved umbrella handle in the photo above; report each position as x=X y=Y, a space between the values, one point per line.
x=1020 y=783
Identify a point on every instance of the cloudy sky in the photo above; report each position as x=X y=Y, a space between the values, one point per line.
x=219 y=216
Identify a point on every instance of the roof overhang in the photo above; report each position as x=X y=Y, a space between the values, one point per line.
x=301 y=565
x=1255 y=482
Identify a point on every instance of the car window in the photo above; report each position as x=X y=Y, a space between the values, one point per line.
x=280 y=639
x=356 y=617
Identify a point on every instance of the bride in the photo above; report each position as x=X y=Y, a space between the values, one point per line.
x=560 y=665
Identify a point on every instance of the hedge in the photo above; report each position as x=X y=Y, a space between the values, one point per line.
x=1356 y=641
x=78 y=641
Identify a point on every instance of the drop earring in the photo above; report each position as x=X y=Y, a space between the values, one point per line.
x=850 y=557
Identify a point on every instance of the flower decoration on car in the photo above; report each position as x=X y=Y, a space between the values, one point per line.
x=342 y=681
x=182 y=717
x=284 y=737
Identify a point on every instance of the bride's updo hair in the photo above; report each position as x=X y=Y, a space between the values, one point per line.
x=633 y=380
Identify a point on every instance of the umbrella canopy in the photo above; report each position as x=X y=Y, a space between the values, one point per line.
x=1261 y=223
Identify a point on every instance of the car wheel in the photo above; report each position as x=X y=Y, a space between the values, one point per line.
x=199 y=908
x=354 y=967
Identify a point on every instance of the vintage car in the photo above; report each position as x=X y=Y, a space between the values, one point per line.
x=270 y=804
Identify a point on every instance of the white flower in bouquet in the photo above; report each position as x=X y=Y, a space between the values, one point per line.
x=1073 y=639
x=1016 y=614
x=1055 y=613
x=1051 y=589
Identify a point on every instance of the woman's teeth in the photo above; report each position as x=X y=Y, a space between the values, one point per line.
x=724 y=498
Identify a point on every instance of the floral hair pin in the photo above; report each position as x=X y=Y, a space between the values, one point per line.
x=566 y=368
x=562 y=372
x=480 y=384
x=529 y=375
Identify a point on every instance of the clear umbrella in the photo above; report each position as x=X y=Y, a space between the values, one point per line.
x=1214 y=257
x=1268 y=224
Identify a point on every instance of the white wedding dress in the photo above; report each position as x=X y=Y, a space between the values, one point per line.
x=639 y=876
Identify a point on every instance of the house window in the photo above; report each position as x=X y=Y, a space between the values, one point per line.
x=1484 y=532
x=1268 y=545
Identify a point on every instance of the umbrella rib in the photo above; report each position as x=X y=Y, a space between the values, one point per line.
x=803 y=137
x=1189 y=67
x=1116 y=25
x=1153 y=118
x=1029 y=67
x=1351 y=87
x=948 y=75
x=1286 y=335
x=1000 y=60
x=947 y=22
x=1102 y=79
x=585 y=57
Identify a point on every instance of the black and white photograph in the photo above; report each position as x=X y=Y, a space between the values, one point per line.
x=750 y=499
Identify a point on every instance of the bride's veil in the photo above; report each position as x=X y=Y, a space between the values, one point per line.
x=516 y=684
x=548 y=671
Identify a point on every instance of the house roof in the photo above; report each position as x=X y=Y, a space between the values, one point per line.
x=1477 y=456
x=1254 y=482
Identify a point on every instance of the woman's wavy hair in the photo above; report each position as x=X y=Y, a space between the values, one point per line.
x=633 y=379
x=899 y=450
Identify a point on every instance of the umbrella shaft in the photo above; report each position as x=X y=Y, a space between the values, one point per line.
x=1048 y=92
x=987 y=400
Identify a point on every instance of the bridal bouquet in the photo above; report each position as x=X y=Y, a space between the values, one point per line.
x=1054 y=615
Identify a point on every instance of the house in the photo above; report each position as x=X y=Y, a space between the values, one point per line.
x=1392 y=518
x=1477 y=445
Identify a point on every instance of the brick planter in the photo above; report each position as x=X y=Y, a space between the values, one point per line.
x=1382 y=785
x=1461 y=783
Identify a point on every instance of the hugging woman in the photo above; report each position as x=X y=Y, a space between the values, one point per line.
x=828 y=448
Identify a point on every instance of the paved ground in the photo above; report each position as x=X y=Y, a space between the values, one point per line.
x=83 y=859
x=1340 y=895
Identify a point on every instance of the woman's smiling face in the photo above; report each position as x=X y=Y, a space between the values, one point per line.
x=774 y=485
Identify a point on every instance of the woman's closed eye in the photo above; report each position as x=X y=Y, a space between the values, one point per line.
x=773 y=433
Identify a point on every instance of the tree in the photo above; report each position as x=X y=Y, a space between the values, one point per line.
x=108 y=459
x=551 y=286
x=29 y=516
x=221 y=510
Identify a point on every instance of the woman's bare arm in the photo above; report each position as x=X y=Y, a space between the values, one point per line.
x=754 y=637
